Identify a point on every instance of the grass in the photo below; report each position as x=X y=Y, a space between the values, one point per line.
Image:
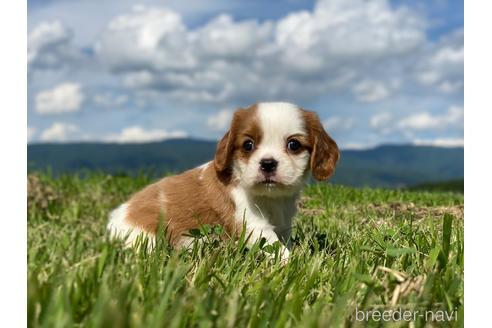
x=364 y=249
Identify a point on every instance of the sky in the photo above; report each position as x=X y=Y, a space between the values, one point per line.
x=376 y=72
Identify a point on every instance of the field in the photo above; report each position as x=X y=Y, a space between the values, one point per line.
x=354 y=250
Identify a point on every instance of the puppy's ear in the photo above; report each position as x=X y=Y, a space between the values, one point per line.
x=223 y=153
x=225 y=147
x=324 y=152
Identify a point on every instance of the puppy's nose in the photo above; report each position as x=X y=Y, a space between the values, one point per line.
x=268 y=165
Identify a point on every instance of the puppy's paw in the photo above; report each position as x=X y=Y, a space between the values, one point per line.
x=284 y=254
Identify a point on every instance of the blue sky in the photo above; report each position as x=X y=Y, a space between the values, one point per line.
x=133 y=71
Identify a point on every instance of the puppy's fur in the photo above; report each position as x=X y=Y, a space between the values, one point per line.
x=259 y=169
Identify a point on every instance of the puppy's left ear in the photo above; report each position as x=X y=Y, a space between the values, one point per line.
x=225 y=147
x=223 y=153
x=324 y=152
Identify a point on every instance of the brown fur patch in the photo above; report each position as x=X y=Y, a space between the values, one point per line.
x=185 y=201
x=324 y=150
x=245 y=126
x=198 y=196
x=146 y=208
x=202 y=195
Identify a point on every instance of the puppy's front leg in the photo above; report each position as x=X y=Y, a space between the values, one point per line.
x=267 y=232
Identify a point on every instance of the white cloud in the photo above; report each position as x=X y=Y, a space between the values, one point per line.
x=340 y=50
x=303 y=55
x=146 y=38
x=30 y=133
x=356 y=146
x=370 y=91
x=450 y=55
x=65 y=97
x=49 y=46
x=419 y=121
x=220 y=121
x=59 y=132
x=427 y=121
x=109 y=100
x=225 y=38
x=442 y=67
x=450 y=86
x=137 y=134
x=441 y=142
x=380 y=120
x=352 y=28
x=336 y=123
x=149 y=25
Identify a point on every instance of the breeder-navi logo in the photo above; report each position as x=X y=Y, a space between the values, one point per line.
x=400 y=314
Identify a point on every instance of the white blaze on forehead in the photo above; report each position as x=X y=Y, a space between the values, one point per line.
x=279 y=120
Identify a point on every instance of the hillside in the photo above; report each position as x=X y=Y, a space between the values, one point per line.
x=384 y=166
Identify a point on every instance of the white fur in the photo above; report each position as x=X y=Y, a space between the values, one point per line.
x=185 y=242
x=268 y=210
x=264 y=218
x=278 y=121
x=119 y=228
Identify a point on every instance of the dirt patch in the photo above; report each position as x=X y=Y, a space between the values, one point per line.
x=418 y=211
x=303 y=208
x=404 y=285
x=387 y=209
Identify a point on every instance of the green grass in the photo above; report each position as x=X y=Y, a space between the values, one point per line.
x=353 y=248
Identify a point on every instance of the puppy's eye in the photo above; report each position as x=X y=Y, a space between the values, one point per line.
x=248 y=145
x=293 y=145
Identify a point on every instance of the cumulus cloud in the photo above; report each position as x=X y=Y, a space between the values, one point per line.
x=63 y=98
x=137 y=134
x=109 y=100
x=427 y=121
x=335 y=123
x=341 y=52
x=380 y=120
x=230 y=40
x=370 y=91
x=145 y=39
x=351 y=28
x=303 y=55
x=442 y=67
x=220 y=121
x=59 y=132
x=49 y=46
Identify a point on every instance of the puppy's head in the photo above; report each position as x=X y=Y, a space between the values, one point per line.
x=271 y=147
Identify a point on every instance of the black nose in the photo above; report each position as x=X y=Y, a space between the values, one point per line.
x=268 y=165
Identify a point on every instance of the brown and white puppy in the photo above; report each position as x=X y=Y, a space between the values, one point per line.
x=259 y=169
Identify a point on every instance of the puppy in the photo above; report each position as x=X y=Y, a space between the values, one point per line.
x=260 y=166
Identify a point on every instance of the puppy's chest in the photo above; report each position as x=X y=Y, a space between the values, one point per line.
x=264 y=211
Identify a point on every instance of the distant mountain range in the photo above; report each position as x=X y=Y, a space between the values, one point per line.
x=383 y=166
